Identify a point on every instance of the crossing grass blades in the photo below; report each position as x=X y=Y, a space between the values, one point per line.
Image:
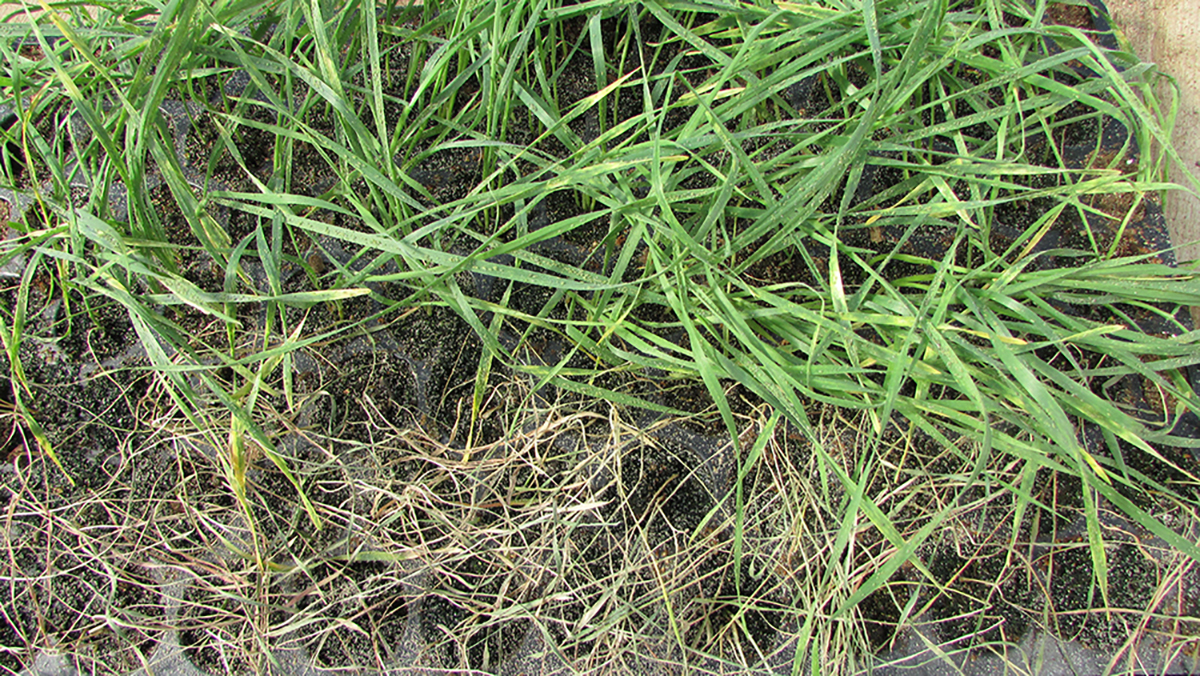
x=523 y=336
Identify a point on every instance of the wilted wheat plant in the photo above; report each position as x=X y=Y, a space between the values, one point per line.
x=526 y=336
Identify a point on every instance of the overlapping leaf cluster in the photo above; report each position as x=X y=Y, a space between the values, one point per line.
x=745 y=184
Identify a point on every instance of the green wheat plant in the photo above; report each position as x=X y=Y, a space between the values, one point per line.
x=832 y=224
